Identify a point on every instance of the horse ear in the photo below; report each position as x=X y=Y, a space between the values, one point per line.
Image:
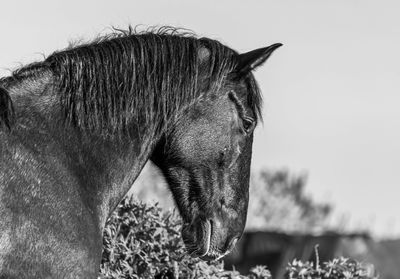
x=250 y=60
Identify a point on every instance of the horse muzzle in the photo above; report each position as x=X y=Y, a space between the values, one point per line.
x=205 y=239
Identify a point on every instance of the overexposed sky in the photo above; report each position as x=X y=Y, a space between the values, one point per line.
x=332 y=93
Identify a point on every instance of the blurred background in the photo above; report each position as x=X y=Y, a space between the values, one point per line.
x=326 y=160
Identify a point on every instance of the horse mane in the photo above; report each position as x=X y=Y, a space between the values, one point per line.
x=6 y=108
x=130 y=76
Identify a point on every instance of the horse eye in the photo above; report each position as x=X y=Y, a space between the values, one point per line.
x=248 y=125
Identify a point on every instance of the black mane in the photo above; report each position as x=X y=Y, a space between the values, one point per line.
x=6 y=108
x=108 y=83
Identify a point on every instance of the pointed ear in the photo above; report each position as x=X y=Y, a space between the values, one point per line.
x=250 y=60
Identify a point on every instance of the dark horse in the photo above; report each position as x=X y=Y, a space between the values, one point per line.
x=78 y=127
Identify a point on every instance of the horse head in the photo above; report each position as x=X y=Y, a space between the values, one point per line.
x=205 y=157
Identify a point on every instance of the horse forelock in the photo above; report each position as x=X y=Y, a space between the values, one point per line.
x=129 y=76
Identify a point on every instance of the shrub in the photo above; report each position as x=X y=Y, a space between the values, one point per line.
x=341 y=268
x=142 y=241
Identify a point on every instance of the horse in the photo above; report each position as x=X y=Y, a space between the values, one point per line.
x=78 y=127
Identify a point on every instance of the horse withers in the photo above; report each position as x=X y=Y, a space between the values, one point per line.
x=78 y=127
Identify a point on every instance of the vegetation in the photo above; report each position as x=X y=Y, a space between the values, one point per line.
x=278 y=202
x=142 y=241
x=336 y=269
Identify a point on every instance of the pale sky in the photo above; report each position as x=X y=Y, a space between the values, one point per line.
x=332 y=98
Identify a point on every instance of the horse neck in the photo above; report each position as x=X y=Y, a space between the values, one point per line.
x=103 y=168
